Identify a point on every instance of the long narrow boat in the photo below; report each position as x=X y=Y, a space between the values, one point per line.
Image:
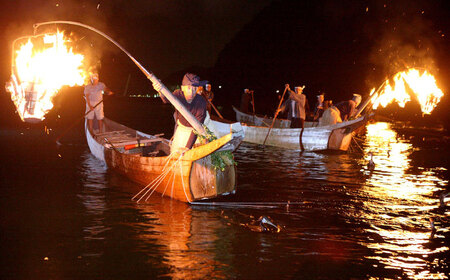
x=314 y=138
x=259 y=120
x=146 y=159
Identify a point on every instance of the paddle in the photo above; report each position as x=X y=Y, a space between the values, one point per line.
x=253 y=102
x=75 y=122
x=276 y=114
x=215 y=109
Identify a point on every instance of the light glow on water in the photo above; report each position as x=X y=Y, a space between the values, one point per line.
x=400 y=205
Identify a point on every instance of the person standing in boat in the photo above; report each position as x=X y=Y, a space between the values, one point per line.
x=319 y=108
x=246 y=100
x=184 y=136
x=296 y=106
x=209 y=96
x=94 y=96
x=348 y=108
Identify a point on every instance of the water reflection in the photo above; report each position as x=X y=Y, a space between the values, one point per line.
x=92 y=196
x=401 y=202
x=188 y=238
x=341 y=215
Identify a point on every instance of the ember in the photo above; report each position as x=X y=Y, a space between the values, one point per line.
x=422 y=85
x=40 y=67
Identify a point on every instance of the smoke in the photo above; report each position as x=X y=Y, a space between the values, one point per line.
x=403 y=37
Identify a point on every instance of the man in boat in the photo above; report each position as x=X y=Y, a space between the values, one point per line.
x=209 y=96
x=184 y=136
x=296 y=106
x=94 y=101
x=331 y=114
x=246 y=100
x=348 y=108
x=319 y=108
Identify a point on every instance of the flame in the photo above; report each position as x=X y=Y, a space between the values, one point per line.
x=422 y=85
x=39 y=72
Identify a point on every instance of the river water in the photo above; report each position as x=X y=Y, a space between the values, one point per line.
x=65 y=216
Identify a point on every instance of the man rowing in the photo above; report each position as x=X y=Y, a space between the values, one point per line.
x=94 y=105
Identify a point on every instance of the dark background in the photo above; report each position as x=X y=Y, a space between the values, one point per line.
x=339 y=47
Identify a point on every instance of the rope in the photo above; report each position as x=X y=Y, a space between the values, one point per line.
x=182 y=180
x=273 y=204
x=357 y=144
x=154 y=184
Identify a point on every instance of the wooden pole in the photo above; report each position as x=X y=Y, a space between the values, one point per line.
x=253 y=103
x=275 y=116
x=215 y=109
x=75 y=122
x=364 y=105
x=164 y=91
x=125 y=91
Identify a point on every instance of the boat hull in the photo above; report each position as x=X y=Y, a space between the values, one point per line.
x=187 y=178
x=314 y=138
x=255 y=120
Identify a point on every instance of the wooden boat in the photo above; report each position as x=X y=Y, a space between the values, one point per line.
x=314 y=138
x=146 y=159
x=258 y=120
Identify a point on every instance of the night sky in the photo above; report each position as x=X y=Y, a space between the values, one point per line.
x=339 y=47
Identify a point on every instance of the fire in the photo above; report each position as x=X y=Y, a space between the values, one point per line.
x=422 y=85
x=40 y=68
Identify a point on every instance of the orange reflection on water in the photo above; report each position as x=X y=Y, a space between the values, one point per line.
x=187 y=238
x=398 y=204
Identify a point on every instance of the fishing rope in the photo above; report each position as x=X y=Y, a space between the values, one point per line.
x=182 y=180
x=269 y=204
x=153 y=180
x=162 y=177
x=357 y=144
x=153 y=184
x=168 y=181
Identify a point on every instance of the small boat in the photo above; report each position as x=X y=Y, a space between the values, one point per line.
x=146 y=159
x=315 y=138
x=259 y=120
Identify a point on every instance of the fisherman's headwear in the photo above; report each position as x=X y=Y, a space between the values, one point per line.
x=190 y=79
x=357 y=98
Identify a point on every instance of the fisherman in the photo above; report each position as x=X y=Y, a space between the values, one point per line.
x=246 y=99
x=296 y=106
x=331 y=114
x=184 y=136
x=319 y=108
x=94 y=98
x=348 y=108
x=209 y=96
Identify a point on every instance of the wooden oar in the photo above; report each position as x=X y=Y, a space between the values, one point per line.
x=215 y=109
x=275 y=117
x=75 y=122
x=253 y=103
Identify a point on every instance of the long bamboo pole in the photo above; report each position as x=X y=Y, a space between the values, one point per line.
x=275 y=116
x=215 y=109
x=367 y=102
x=75 y=122
x=164 y=91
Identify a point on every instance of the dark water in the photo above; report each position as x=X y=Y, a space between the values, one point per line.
x=64 y=215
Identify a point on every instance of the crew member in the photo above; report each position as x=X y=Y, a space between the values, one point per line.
x=296 y=106
x=94 y=101
x=246 y=100
x=348 y=108
x=184 y=136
